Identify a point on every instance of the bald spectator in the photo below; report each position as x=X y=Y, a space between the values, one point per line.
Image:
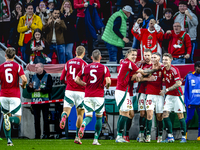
x=179 y=44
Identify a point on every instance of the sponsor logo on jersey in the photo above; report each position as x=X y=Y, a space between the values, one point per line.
x=193 y=82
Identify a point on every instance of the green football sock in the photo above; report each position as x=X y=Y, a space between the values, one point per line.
x=149 y=125
x=127 y=126
x=98 y=127
x=87 y=120
x=14 y=120
x=118 y=121
x=7 y=133
x=142 y=124
x=122 y=122
x=77 y=129
x=168 y=125
x=160 y=128
x=63 y=114
x=183 y=126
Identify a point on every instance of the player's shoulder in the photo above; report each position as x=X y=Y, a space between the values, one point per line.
x=174 y=69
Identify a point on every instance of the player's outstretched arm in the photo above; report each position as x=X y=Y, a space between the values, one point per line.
x=79 y=81
x=108 y=82
x=24 y=81
x=173 y=87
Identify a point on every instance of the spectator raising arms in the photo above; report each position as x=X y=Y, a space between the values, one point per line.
x=70 y=35
x=42 y=12
x=54 y=30
x=149 y=38
x=37 y=48
x=14 y=35
x=27 y=25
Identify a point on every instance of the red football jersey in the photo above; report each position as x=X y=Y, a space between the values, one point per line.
x=94 y=73
x=142 y=85
x=154 y=87
x=70 y=71
x=10 y=72
x=127 y=68
x=171 y=76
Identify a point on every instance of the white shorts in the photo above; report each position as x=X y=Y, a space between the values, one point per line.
x=155 y=101
x=124 y=103
x=73 y=98
x=94 y=104
x=141 y=101
x=173 y=103
x=11 y=105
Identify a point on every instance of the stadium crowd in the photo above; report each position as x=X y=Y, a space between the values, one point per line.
x=66 y=24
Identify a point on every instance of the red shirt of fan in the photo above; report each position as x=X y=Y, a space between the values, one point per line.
x=10 y=72
x=94 y=74
x=127 y=69
x=70 y=71
x=142 y=85
x=171 y=76
x=154 y=87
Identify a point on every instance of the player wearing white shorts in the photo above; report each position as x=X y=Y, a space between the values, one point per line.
x=94 y=74
x=154 y=100
x=174 y=99
x=74 y=93
x=10 y=92
x=141 y=93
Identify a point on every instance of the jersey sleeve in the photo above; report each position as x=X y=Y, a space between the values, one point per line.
x=133 y=67
x=107 y=72
x=177 y=75
x=81 y=73
x=186 y=92
x=20 y=70
x=64 y=72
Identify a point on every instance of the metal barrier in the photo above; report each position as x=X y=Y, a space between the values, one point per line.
x=19 y=60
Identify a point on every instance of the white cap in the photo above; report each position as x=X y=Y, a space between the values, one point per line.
x=128 y=9
x=50 y=1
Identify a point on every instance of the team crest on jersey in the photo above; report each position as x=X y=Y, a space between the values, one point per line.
x=164 y=72
x=147 y=107
x=170 y=76
x=159 y=73
x=141 y=107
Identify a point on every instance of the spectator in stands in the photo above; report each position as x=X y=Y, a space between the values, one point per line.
x=195 y=8
x=54 y=31
x=27 y=24
x=5 y=15
x=37 y=48
x=179 y=45
x=40 y=86
x=146 y=4
x=81 y=5
x=42 y=12
x=147 y=16
x=166 y=23
x=115 y=33
x=188 y=22
x=14 y=35
x=33 y=2
x=51 y=5
x=161 y=5
x=150 y=38
x=71 y=35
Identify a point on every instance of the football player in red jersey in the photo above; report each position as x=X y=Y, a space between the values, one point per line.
x=10 y=101
x=154 y=100
x=141 y=93
x=95 y=74
x=174 y=99
x=74 y=93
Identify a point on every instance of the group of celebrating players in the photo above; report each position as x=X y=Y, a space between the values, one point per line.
x=85 y=89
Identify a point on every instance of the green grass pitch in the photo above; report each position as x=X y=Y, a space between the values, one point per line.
x=24 y=144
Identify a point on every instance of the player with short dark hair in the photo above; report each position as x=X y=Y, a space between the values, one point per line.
x=10 y=101
x=174 y=99
x=74 y=93
x=94 y=74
